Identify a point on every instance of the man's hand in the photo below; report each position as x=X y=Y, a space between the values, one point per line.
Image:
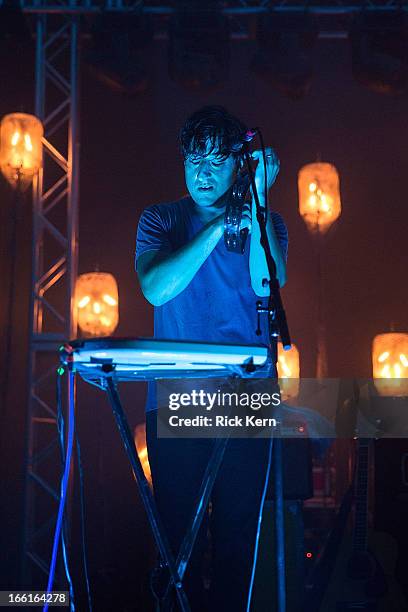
x=246 y=218
x=163 y=276
x=272 y=170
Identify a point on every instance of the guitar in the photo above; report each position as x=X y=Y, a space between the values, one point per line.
x=363 y=576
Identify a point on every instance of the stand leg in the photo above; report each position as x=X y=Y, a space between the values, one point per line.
x=203 y=498
x=147 y=497
x=279 y=526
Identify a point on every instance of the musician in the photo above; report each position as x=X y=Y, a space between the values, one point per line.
x=202 y=292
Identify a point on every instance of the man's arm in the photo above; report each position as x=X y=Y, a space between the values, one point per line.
x=257 y=261
x=163 y=276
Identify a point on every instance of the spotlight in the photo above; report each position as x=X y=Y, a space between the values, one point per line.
x=117 y=52
x=379 y=46
x=285 y=54
x=198 y=50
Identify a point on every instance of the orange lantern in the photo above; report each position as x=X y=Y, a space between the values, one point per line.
x=319 y=196
x=288 y=371
x=390 y=364
x=96 y=303
x=20 y=148
x=141 y=448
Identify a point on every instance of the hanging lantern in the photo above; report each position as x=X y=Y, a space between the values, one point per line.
x=141 y=448
x=288 y=371
x=390 y=364
x=96 y=301
x=319 y=196
x=20 y=148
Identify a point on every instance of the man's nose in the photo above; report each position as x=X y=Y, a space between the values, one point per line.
x=204 y=169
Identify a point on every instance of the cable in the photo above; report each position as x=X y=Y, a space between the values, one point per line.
x=64 y=481
x=258 y=531
x=61 y=425
x=83 y=538
x=67 y=573
x=64 y=532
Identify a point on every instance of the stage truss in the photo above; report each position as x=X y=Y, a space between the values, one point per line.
x=332 y=16
x=54 y=270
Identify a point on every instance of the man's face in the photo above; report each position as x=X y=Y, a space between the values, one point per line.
x=208 y=177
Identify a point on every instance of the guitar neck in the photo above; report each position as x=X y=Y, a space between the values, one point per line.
x=361 y=496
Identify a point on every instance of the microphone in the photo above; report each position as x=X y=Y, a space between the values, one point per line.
x=244 y=138
x=249 y=134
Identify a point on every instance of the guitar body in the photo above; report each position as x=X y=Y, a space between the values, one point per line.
x=372 y=587
x=363 y=575
x=345 y=592
x=385 y=549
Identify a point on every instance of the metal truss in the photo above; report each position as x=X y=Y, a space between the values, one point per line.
x=54 y=270
x=244 y=7
x=332 y=17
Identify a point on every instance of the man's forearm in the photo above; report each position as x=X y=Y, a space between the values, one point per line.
x=257 y=260
x=165 y=278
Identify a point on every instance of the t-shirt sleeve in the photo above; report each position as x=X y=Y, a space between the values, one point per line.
x=281 y=232
x=152 y=233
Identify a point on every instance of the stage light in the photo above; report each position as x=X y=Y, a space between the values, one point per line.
x=319 y=196
x=118 y=52
x=379 y=45
x=390 y=364
x=285 y=54
x=320 y=206
x=20 y=148
x=288 y=371
x=198 y=49
x=96 y=303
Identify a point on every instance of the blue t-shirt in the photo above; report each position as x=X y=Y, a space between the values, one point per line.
x=219 y=304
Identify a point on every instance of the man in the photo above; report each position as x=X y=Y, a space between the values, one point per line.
x=202 y=292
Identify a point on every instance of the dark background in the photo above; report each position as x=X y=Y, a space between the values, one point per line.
x=129 y=160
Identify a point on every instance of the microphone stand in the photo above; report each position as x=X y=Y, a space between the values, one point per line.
x=277 y=325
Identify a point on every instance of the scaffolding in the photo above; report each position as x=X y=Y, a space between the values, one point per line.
x=54 y=270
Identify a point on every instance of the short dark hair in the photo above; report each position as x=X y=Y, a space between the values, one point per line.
x=216 y=125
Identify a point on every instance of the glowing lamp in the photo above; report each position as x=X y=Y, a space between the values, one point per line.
x=141 y=448
x=20 y=148
x=319 y=196
x=96 y=303
x=288 y=371
x=390 y=364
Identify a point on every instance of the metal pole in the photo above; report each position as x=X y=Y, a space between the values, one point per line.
x=73 y=180
x=279 y=525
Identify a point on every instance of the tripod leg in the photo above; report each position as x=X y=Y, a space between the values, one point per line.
x=144 y=489
x=207 y=484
